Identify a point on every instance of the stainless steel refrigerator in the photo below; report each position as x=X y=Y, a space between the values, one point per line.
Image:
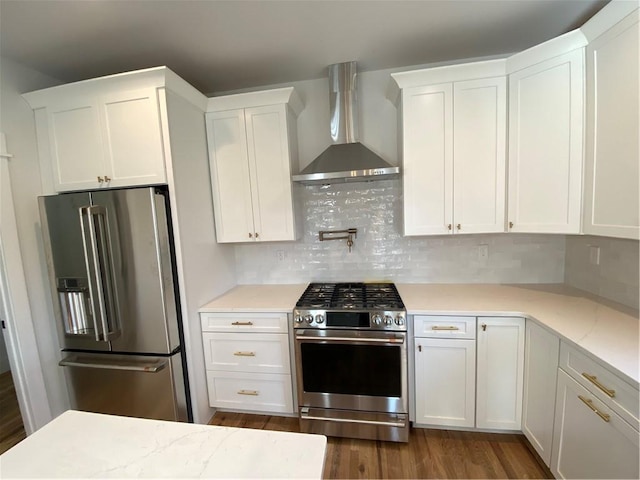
x=112 y=269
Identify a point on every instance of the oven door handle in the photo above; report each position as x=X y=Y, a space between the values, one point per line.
x=394 y=340
x=306 y=416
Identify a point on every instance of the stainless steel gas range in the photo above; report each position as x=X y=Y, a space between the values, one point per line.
x=351 y=361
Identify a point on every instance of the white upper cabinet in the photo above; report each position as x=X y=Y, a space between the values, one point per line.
x=453 y=148
x=252 y=148
x=106 y=132
x=479 y=155
x=611 y=200
x=546 y=90
x=427 y=152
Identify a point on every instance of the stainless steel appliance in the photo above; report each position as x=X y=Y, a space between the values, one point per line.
x=112 y=270
x=351 y=361
x=346 y=160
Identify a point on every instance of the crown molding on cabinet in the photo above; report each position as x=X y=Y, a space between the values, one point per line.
x=549 y=49
x=611 y=14
x=447 y=73
x=159 y=77
x=287 y=95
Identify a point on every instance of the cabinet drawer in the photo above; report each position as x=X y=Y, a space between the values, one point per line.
x=246 y=352
x=589 y=439
x=244 y=322
x=444 y=326
x=250 y=391
x=602 y=383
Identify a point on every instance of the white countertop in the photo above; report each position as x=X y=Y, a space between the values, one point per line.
x=256 y=298
x=605 y=330
x=89 y=445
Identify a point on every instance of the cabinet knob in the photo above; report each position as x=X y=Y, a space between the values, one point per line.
x=484 y=327
x=419 y=348
x=107 y=179
x=449 y=227
x=100 y=180
x=458 y=226
x=256 y=234
x=250 y=235
x=510 y=224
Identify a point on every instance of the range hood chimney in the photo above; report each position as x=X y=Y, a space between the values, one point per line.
x=346 y=160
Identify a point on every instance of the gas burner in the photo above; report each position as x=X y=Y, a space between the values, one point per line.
x=365 y=296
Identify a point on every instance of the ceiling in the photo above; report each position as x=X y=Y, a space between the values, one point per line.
x=222 y=45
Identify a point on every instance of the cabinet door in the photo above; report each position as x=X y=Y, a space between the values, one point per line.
x=445 y=381
x=612 y=165
x=77 y=151
x=427 y=150
x=540 y=371
x=133 y=138
x=479 y=146
x=545 y=145
x=270 y=171
x=589 y=440
x=230 y=183
x=500 y=373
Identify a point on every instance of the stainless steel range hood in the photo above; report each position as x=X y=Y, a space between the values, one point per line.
x=347 y=160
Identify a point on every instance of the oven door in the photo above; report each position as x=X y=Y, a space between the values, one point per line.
x=352 y=370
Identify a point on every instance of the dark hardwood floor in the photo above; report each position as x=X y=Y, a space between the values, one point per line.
x=429 y=453
x=11 y=427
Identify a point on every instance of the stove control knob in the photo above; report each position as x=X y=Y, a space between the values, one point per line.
x=298 y=318
x=319 y=318
x=308 y=319
x=388 y=320
x=377 y=319
x=400 y=320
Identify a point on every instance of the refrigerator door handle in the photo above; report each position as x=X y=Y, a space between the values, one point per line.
x=134 y=366
x=102 y=269
x=84 y=212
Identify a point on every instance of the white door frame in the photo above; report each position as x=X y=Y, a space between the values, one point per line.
x=19 y=335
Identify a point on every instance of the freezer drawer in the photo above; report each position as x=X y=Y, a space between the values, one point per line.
x=129 y=385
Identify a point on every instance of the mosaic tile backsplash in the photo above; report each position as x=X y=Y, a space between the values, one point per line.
x=380 y=252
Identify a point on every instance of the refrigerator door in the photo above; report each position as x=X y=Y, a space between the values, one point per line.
x=69 y=254
x=129 y=385
x=141 y=269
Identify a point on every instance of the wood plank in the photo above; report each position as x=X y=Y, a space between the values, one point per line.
x=428 y=454
x=11 y=426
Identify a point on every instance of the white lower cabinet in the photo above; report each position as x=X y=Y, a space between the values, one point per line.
x=250 y=391
x=500 y=367
x=445 y=376
x=590 y=440
x=247 y=361
x=461 y=381
x=541 y=353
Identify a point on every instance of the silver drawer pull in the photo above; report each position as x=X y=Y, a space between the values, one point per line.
x=604 y=416
x=246 y=324
x=448 y=327
x=593 y=379
x=244 y=354
x=248 y=392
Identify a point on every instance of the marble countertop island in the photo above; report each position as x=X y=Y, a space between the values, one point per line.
x=90 y=445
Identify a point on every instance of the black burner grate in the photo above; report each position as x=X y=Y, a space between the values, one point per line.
x=380 y=296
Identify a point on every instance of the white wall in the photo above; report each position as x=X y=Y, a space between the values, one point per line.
x=616 y=277
x=17 y=122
